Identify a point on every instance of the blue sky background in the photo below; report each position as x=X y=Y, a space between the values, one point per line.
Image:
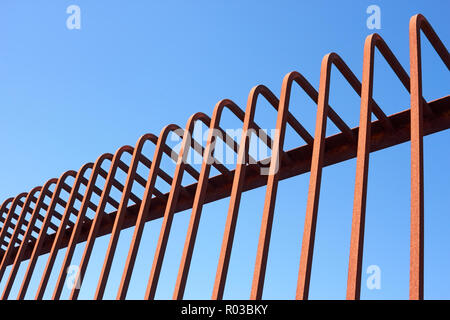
x=67 y=96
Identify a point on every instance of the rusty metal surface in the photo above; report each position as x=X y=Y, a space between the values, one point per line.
x=21 y=213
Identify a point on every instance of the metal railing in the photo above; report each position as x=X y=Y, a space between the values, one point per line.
x=29 y=239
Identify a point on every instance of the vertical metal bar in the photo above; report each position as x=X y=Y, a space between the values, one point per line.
x=143 y=211
x=356 y=248
x=20 y=221
x=170 y=207
x=57 y=241
x=76 y=231
x=314 y=183
x=272 y=184
x=202 y=186
x=417 y=23
x=271 y=190
x=197 y=206
x=417 y=196
x=43 y=233
x=121 y=215
x=26 y=238
x=317 y=162
x=362 y=165
x=235 y=198
x=98 y=219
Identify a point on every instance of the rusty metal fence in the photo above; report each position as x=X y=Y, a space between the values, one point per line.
x=31 y=228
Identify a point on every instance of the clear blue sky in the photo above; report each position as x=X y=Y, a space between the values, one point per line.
x=67 y=96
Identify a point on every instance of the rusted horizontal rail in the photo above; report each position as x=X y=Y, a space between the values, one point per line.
x=338 y=148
